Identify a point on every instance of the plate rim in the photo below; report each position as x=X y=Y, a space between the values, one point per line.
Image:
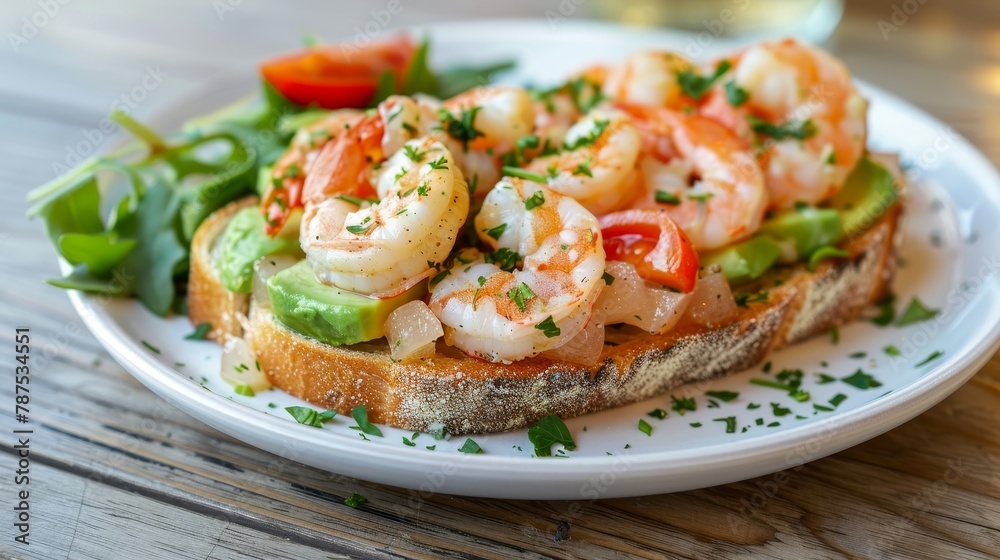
x=849 y=428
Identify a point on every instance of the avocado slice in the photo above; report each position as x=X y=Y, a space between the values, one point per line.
x=869 y=190
x=328 y=314
x=807 y=228
x=244 y=241
x=747 y=260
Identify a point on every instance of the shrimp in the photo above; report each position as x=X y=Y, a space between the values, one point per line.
x=649 y=78
x=801 y=104
x=498 y=312
x=598 y=166
x=288 y=173
x=382 y=248
x=488 y=117
x=704 y=177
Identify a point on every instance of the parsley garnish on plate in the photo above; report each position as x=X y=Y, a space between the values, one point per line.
x=916 y=312
x=360 y=415
x=730 y=423
x=724 y=396
x=152 y=348
x=645 y=428
x=683 y=404
x=658 y=413
x=861 y=380
x=462 y=128
x=200 y=332
x=547 y=432
x=548 y=326
x=779 y=410
x=309 y=417
x=937 y=354
x=470 y=447
x=891 y=350
x=887 y=311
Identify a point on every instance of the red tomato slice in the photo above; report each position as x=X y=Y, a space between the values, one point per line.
x=653 y=243
x=338 y=77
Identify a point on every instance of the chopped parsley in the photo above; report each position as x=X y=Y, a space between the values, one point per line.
x=309 y=417
x=511 y=171
x=891 y=350
x=695 y=424
x=730 y=423
x=245 y=390
x=439 y=277
x=504 y=258
x=583 y=169
x=753 y=406
x=767 y=367
x=548 y=327
x=590 y=137
x=423 y=189
x=399 y=175
x=683 y=404
x=413 y=153
x=496 y=232
x=152 y=348
x=735 y=94
x=431 y=447
x=916 y=312
x=837 y=399
x=792 y=129
x=608 y=279
x=645 y=428
x=658 y=413
x=439 y=163
x=861 y=380
x=937 y=354
x=724 y=396
x=355 y=200
x=520 y=294
x=664 y=197
x=834 y=335
x=743 y=299
x=821 y=408
x=825 y=378
x=360 y=415
x=700 y=197
x=355 y=500
x=462 y=128
x=200 y=332
x=534 y=200
x=360 y=228
x=858 y=355
x=779 y=410
x=887 y=311
x=696 y=86
x=547 y=432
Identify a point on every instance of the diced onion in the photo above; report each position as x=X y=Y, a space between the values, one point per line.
x=412 y=329
x=712 y=302
x=240 y=366
x=584 y=348
x=631 y=300
x=264 y=269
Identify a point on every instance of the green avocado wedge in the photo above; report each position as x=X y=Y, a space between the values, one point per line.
x=868 y=191
x=244 y=241
x=328 y=314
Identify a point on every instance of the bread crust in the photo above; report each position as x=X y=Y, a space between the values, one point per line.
x=208 y=301
x=468 y=396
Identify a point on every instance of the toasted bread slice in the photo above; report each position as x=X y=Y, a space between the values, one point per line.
x=208 y=301
x=466 y=395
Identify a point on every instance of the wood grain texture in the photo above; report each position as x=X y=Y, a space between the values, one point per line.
x=119 y=473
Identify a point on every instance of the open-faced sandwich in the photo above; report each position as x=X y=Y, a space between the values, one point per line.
x=483 y=259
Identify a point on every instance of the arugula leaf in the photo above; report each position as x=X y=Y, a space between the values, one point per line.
x=99 y=252
x=360 y=415
x=548 y=431
x=419 y=77
x=159 y=252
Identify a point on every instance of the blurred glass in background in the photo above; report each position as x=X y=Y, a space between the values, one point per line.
x=813 y=20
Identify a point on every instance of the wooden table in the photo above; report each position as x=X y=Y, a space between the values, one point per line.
x=930 y=488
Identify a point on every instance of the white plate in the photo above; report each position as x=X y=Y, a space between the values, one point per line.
x=951 y=264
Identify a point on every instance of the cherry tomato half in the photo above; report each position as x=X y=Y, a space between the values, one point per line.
x=653 y=243
x=338 y=77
